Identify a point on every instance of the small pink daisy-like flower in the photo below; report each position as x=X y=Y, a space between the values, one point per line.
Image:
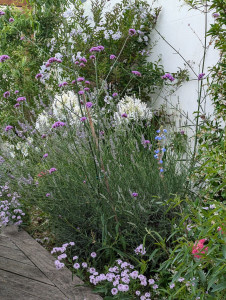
x=137 y=73
x=76 y=266
x=84 y=265
x=89 y=104
x=132 y=31
x=93 y=254
x=112 y=56
x=11 y=20
x=82 y=119
x=114 y=291
x=124 y=115
x=48 y=195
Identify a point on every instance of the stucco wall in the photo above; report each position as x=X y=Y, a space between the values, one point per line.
x=173 y=24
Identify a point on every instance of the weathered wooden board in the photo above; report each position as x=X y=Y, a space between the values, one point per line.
x=14 y=254
x=11 y=293
x=23 y=269
x=44 y=261
x=32 y=287
x=5 y=241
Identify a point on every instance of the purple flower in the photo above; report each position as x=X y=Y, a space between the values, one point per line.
x=132 y=31
x=135 y=194
x=86 y=89
x=82 y=65
x=58 y=124
x=82 y=119
x=137 y=293
x=2 y=13
x=216 y=15
x=201 y=75
x=73 y=81
x=8 y=128
x=92 y=57
x=89 y=104
x=115 y=95
x=140 y=250
x=39 y=75
x=83 y=59
x=101 y=48
x=16 y=92
x=76 y=266
x=155 y=286
x=181 y=279
x=59 y=265
x=21 y=99
x=93 y=254
x=168 y=76
x=11 y=20
x=17 y=105
x=84 y=265
x=172 y=285
x=137 y=73
x=6 y=94
x=4 y=57
x=112 y=56
x=75 y=257
x=52 y=170
x=81 y=92
x=64 y=83
x=151 y=281
x=80 y=79
x=94 y=49
x=48 y=195
x=114 y=291
x=45 y=155
x=22 y=38
x=43 y=136
x=124 y=115
x=87 y=82
x=77 y=62
x=182 y=132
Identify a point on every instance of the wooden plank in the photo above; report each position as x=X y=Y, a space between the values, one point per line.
x=14 y=255
x=45 y=262
x=34 y=288
x=5 y=241
x=23 y=269
x=7 y=293
x=17 y=3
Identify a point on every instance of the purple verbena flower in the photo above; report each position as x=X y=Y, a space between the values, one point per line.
x=92 y=57
x=140 y=250
x=115 y=95
x=52 y=170
x=82 y=65
x=39 y=75
x=137 y=73
x=81 y=92
x=89 y=104
x=6 y=94
x=4 y=57
x=87 y=82
x=216 y=15
x=82 y=119
x=124 y=115
x=83 y=59
x=45 y=155
x=86 y=89
x=11 y=20
x=17 y=105
x=168 y=76
x=16 y=92
x=135 y=194
x=201 y=75
x=80 y=79
x=21 y=99
x=112 y=56
x=93 y=254
x=8 y=128
x=2 y=13
x=48 y=195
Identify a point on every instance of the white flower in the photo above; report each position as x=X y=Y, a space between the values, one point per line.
x=134 y=108
x=42 y=123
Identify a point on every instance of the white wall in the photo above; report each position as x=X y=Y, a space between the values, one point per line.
x=173 y=24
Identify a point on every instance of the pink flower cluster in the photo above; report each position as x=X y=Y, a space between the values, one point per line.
x=58 y=124
x=4 y=57
x=198 y=246
x=168 y=76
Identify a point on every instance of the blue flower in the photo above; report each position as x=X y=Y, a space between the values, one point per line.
x=161 y=161
x=157 y=151
x=158 y=131
x=156 y=156
x=161 y=170
x=163 y=149
x=164 y=130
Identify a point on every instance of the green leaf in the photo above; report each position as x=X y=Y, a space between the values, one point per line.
x=219 y=287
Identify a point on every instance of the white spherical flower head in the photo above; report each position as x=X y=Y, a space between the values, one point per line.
x=134 y=108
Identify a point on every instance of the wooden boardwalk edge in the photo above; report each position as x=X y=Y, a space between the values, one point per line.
x=44 y=261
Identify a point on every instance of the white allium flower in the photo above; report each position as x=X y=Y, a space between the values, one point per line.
x=134 y=108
